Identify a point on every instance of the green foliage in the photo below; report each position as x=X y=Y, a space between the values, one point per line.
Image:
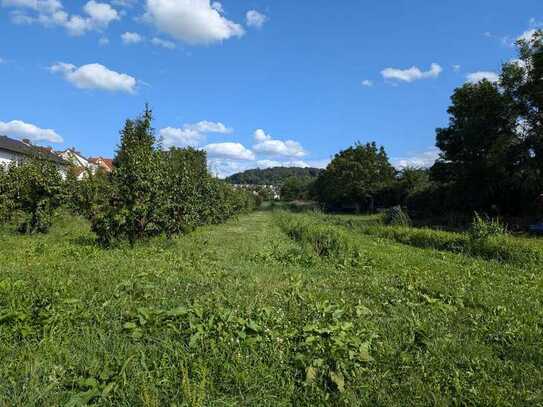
x=485 y=228
x=272 y=176
x=491 y=152
x=493 y=243
x=355 y=177
x=296 y=188
x=88 y=196
x=32 y=190
x=153 y=191
x=396 y=216
x=325 y=240
x=241 y=314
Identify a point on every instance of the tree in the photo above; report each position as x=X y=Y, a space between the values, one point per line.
x=34 y=189
x=354 y=177
x=296 y=188
x=476 y=146
x=522 y=81
x=136 y=176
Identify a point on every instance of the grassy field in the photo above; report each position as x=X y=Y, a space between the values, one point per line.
x=270 y=309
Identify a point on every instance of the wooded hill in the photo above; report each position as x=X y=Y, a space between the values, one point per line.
x=272 y=176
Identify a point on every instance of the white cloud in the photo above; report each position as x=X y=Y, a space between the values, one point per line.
x=424 y=159
x=103 y=41
x=192 y=21
x=52 y=13
x=124 y=3
x=191 y=134
x=411 y=74
x=233 y=151
x=276 y=148
x=21 y=130
x=367 y=83
x=255 y=19
x=163 y=43
x=477 y=77
x=95 y=76
x=45 y=6
x=101 y=14
x=273 y=163
x=131 y=38
x=527 y=35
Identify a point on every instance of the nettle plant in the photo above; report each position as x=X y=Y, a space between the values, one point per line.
x=330 y=349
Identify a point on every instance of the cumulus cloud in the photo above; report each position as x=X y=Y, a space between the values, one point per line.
x=267 y=145
x=21 y=130
x=423 y=159
x=191 y=135
x=411 y=74
x=163 y=43
x=233 y=151
x=255 y=19
x=192 y=21
x=477 y=77
x=131 y=38
x=95 y=76
x=367 y=83
x=98 y=15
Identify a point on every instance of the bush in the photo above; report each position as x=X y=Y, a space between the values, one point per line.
x=33 y=190
x=484 y=228
x=325 y=240
x=396 y=217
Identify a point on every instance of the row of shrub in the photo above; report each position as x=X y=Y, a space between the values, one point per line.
x=150 y=191
x=486 y=238
x=325 y=240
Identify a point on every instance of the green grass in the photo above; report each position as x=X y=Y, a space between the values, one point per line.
x=250 y=313
x=519 y=250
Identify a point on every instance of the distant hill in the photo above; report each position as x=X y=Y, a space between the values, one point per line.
x=272 y=176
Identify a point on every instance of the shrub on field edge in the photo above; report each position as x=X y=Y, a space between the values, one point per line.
x=33 y=190
x=395 y=216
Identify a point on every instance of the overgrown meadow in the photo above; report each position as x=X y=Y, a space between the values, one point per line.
x=268 y=309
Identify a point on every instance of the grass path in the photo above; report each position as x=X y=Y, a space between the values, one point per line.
x=222 y=316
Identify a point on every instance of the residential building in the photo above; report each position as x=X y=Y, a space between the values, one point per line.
x=16 y=152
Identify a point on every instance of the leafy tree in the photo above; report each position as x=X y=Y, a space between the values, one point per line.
x=136 y=176
x=522 y=82
x=476 y=146
x=296 y=188
x=34 y=189
x=355 y=177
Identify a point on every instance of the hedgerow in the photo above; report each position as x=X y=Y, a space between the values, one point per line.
x=153 y=191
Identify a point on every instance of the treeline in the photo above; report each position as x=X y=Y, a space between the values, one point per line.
x=272 y=176
x=491 y=154
x=150 y=191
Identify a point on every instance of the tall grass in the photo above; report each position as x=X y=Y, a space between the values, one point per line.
x=492 y=243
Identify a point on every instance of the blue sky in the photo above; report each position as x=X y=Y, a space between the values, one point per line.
x=255 y=82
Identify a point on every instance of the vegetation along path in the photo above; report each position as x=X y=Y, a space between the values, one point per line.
x=269 y=309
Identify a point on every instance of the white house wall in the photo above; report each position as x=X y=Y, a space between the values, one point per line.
x=7 y=157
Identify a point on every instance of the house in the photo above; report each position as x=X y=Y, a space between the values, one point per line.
x=82 y=166
x=16 y=152
x=104 y=163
